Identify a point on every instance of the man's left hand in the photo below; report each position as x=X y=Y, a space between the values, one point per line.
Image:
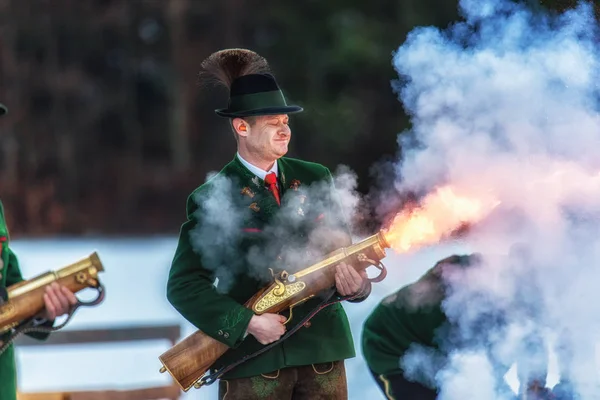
x=58 y=300
x=347 y=281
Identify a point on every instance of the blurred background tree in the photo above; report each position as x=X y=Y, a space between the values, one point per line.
x=108 y=131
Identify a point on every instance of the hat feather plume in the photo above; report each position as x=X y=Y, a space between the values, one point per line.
x=225 y=66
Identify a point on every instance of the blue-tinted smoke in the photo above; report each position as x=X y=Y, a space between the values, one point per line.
x=506 y=102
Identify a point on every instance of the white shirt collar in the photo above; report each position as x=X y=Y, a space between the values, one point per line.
x=257 y=171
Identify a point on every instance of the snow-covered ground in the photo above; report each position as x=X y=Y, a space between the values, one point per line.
x=135 y=278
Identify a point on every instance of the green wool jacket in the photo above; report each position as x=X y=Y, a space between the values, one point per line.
x=235 y=231
x=412 y=315
x=9 y=275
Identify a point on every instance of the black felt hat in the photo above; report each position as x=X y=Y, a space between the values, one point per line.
x=256 y=94
x=253 y=90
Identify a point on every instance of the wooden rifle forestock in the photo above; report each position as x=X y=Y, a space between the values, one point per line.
x=26 y=298
x=190 y=359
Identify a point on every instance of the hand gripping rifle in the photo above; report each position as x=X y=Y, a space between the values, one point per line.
x=188 y=361
x=22 y=302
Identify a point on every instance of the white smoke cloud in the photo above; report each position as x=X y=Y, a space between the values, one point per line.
x=507 y=103
x=312 y=221
x=457 y=378
x=216 y=239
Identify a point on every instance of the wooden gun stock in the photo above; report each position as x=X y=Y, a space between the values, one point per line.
x=191 y=358
x=26 y=298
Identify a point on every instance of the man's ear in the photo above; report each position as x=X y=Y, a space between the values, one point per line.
x=240 y=126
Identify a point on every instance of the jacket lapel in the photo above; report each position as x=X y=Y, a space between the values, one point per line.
x=282 y=177
x=253 y=191
x=291 y=193
x=256 y=196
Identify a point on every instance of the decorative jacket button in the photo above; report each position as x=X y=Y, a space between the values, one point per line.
x=220 y=332
x=307 y=324
x=226 y=335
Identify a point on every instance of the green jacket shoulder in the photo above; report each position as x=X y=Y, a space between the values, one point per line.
x=305 y=167
x=3 y=224
x=409 y=316
x=204 y=190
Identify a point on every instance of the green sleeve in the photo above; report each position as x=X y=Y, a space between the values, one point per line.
x=191 y=292
x=13 y=275
x=341 y=218
x=13 y=272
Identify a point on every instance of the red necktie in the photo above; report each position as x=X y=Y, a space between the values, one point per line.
x=271 y=181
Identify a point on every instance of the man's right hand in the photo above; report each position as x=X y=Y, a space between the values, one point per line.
x=267 y=328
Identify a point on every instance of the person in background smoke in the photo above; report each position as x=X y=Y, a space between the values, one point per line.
x=57 y=299
x=413 y=321
x=530 y=305
x=246 y=219
x=572 y=368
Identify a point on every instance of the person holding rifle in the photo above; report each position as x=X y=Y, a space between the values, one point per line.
x=58 y=301
x=261 y=213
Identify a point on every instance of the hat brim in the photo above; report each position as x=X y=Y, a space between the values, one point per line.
x=223 y=112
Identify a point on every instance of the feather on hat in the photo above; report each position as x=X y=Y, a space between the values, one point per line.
x=253 y=89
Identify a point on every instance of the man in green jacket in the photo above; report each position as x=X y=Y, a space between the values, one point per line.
x=413 y=322
x=58 y=300
x=263 y=211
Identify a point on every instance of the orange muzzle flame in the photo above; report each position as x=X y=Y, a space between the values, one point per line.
x=440 y=213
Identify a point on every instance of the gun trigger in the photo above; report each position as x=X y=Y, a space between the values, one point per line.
x=297 y=304
x=289 y=317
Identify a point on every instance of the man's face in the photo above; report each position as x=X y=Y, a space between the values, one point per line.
x=267 y=136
